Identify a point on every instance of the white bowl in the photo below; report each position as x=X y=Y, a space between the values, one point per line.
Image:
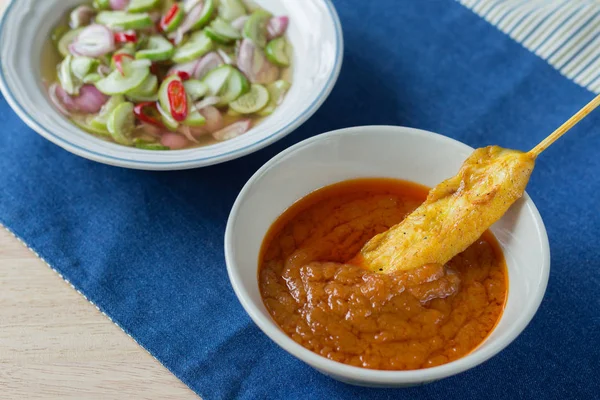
x=379 y=151
x=314 y=31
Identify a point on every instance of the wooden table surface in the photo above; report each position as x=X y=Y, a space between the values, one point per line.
x=54 y=344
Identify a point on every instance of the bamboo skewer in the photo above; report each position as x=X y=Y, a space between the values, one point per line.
x=553 y=137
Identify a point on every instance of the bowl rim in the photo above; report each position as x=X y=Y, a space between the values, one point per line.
x=192 y=162
x=379 y=377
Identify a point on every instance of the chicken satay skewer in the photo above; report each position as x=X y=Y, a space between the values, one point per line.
x=459 y=210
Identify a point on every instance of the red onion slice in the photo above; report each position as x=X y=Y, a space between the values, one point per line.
x=207 y=63
x=174 y=141
x=119 y=4
x=207 y=102
x=277 y=27
x=232 y=131
x=214 y=119
x=239 y=22
x=254 y=64
x=53 y=92
x=94 y=41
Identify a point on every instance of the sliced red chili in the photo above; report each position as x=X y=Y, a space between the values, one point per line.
x=177 y=100
x=184 y=76
x=118 y=58
x=148 y=113
x=169 y=16
x=126 y=37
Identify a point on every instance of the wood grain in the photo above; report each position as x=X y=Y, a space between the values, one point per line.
x=56 y=345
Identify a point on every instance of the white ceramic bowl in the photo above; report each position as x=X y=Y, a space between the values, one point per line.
x=379 y=151
x=314 y=31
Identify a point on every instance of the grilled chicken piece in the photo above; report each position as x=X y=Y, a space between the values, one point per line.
x=456 y=213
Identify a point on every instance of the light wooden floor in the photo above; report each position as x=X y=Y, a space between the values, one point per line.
x=56 y=345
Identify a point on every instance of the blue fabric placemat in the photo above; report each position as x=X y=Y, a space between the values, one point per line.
x=147 y=247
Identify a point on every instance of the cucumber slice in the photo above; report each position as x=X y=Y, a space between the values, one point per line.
x=231 y=9
x=216 y=79
x=124 y=20
x=148 y=88
x=124 y=50
x=65 y=76
x=121 y=123
x=198 y=45
x=175 y=21
x=237 y=85
x=101 y=4
x=195 y=88
x=99 y=121
x=194 y=117
x=82 y=66
x=84 y=123
x=167 y=120
x=220 y=31
x=157 y=49
x=255 y=28
x=115 y=83
x=136 y=6
x=253 y=101
x=92 y=78
x=138 y=98
x=66 y=40
x=58 y=33
x=146 y=145
x=277 y=91
x=207 y=12
x=276 y=52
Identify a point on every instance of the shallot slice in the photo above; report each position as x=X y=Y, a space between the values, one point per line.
x=214 y=119
x=94 y=41
x=277 y=27
x=254 y=64
x=81 y=16
x=207 y=63
x=55 y=92
x=174 y=141
x=207 y=102
x=186 y=131
x=90 y=99
x=232 y=131
x=190 y=19
x=239 y=22
x=189 y=68
x=119 y=4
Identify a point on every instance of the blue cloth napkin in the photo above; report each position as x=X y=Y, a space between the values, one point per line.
x=147 y=247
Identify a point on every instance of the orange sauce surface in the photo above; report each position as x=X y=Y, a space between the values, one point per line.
x=410 y=320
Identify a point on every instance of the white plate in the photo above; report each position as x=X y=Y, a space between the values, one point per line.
x=314 y=31
x=379 y=151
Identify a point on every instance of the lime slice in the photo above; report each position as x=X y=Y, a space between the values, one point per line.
x=216 y=79
x=231 y=9
x=115 y=83
x=121 y=123
x=66 y=78
x=99 y=121
x=253 y=101
x=207 y=12
x=85 y=124
x=195 y=88
x=124 y=20
x=146 y=145
x=236 y=86
x=277 y=91
x=136 y=6
x=66 y=40
x=198 y=45
x=157 y=48
x=81 y=66
x=255 y=28
x=220 y=31
x=276 y=52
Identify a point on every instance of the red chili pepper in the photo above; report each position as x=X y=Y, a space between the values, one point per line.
x=148 y=113
x=126 y=37
x=177 y=100
x=184 y=76
x=169 y=16
x=118 y=58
